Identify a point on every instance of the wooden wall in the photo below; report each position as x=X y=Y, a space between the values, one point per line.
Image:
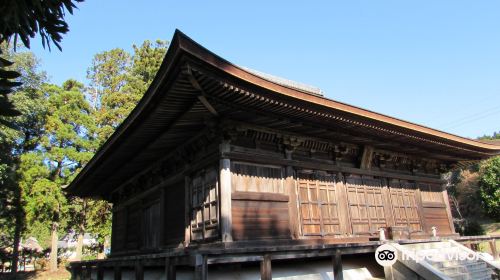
x=331 y=204
x=142 y=224
x=259 y=202
x=281 y=187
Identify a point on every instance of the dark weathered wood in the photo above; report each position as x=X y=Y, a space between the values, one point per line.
x=76 y=272
x=88 y=272
x=265 y=268
x=253 y=219
x=259 y=196
x=325 y=166
x=117 y=272
x=162 y=222
x=366 y=159
x=139 y=271
x=100 y=272
x=337 y=266
x=170 y=269
x=200 y=268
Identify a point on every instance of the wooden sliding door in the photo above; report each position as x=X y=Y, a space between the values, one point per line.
x=404 y=205
x=366 y=205
x=317 y=195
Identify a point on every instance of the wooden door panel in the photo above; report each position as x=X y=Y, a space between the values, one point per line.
x=404 y=204
x=366 y=205
x=318 y=203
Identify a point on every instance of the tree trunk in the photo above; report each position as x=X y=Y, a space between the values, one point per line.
x=17 y=230
x=79 y=247
x=53 y=248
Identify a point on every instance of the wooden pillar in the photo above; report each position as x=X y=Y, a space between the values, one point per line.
x=448 y=210
x=200 y=268
x=337 y=266
x=139 y=271
x=76 y=272
x=170 y=273
x=344 y=219
x=163 y=221
x=100 y=272
x=366 y=159
x=117 y=271
x=88 y=272
x=225 y=195
x=187 y=211
x=420 y=206
x=292 y=202
x=386 y=197
x=265 y=268
x=493 y=247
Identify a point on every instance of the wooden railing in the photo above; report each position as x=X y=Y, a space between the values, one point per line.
x=472 y=242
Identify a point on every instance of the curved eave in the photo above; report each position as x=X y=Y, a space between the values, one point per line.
x=205 y=55
x=182 y=45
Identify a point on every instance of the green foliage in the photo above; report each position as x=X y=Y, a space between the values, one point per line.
x=26 y=18
x=59 y=130
x=469 y=227
x=19 y=135
x=496 y=135
x=489 y=183
x=118 y=81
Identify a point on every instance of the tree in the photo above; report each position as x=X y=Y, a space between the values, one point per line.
x=489 y=184
x=24 y=19
x=117 y=82
x=64 y=147
x=19 y=134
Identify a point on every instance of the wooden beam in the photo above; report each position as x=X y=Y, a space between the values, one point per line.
x=162 y=221
x=290 y=186
x=202 y=96
x=225 y=195
x=343 y=205
x=337 y=266
x=139 y=271
x=76 y=272
x=100 y=272
x=201 y=268
x=494 y=252
x=448 y=210
x=117 y=272
x=187 y=211
x=88 y=272
x=366 y=159
x=170 y=269
x=235 y=155
x=265 y=268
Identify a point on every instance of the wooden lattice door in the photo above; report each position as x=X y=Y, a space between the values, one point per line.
x=366 y=205
x=318 y=203
x=404 y=205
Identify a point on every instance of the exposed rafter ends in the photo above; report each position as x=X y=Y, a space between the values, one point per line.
x=193 y=86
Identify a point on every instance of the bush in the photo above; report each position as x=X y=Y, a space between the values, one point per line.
x=489 y=187
x=468 y=227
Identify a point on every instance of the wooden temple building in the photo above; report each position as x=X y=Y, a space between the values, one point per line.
x=223 y=165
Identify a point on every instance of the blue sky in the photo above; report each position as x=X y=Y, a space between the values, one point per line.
x=435 y=63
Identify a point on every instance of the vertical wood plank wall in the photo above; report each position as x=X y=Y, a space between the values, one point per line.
x=330 y=204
